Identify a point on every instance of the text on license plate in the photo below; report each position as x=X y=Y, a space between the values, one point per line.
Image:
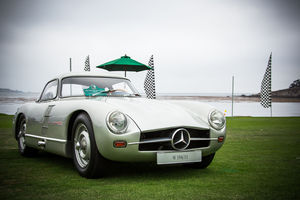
x=178 y=157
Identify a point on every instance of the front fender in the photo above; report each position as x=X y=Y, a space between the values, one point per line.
x=97 y=110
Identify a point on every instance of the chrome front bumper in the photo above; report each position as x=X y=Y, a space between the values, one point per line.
x=131 y=153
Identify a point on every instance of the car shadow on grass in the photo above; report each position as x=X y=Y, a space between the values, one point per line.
x=55 y=164
x=49 y=161
x=151 y=170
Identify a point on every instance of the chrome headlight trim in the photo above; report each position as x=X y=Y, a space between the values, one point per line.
x=113 y=123
x=219 y=122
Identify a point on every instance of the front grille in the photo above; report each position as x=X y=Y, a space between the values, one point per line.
x=148 y=143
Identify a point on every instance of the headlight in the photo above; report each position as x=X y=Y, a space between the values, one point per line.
x=117 y=122
x=216 y=119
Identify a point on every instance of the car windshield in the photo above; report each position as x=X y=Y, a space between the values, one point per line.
x=97 y=86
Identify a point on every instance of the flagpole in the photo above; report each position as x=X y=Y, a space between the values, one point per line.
x=271 y=109
x=70 y=64
x=70 y=71
x=232 y=96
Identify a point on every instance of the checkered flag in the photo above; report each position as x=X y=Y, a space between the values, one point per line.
x=149 y=84
x=87 y=64
x=265 y=92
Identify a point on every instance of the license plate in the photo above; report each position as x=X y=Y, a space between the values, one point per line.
x=178 y=157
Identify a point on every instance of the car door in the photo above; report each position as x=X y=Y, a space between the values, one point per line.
x=39 y=115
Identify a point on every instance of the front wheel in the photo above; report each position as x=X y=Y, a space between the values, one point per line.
x=87 y=160
x=21 y=131
x=206 y=160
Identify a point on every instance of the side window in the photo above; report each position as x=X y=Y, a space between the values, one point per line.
x=50 y=91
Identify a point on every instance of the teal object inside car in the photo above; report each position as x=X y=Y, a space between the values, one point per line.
x=93 y=90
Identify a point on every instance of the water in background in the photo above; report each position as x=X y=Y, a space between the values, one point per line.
x=10 y=102
x=279 y=109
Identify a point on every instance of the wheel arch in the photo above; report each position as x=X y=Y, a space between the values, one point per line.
x=17 y=124
x=71 y=121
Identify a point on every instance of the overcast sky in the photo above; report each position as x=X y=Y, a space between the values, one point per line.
x=197 y=45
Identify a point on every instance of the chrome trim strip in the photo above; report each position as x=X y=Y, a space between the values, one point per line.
x=168 y=140
x=211 y=139
x=152 y=141
x=168 y=151
x=46 y=138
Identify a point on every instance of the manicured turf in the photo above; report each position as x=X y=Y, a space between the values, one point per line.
x=260 y=160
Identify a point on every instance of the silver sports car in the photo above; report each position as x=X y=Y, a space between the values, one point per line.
x=94 y=118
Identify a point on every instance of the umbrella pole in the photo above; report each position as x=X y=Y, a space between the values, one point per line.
x=125 y=73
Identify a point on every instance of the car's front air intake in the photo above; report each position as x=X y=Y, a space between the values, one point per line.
x=170 y=139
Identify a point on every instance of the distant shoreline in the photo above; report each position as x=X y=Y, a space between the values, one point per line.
x=15 y=99
x=245 y=106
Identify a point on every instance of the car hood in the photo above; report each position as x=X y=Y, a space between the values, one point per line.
x=151 y=114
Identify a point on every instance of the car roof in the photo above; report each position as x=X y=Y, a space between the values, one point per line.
x=92 y=74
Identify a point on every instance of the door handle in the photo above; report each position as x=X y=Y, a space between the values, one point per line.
x=41 y=143
x=48 y=110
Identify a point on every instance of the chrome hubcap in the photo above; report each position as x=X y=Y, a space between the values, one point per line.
x=21 y=135
x=82 y=145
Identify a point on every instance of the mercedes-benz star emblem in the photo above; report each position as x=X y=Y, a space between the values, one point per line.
x=180 y=139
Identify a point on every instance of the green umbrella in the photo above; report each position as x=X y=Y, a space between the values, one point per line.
x=125 y=63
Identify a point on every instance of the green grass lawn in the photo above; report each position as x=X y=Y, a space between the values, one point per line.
x=259 y=160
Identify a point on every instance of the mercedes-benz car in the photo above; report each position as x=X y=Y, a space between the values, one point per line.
x=95 y=118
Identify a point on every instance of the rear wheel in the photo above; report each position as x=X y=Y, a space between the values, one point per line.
x=87 y=159
x=23 y=148
x=206 y=160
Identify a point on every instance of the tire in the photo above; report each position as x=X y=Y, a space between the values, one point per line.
x=21 y=131
x=206 y=160
x=86 y=157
